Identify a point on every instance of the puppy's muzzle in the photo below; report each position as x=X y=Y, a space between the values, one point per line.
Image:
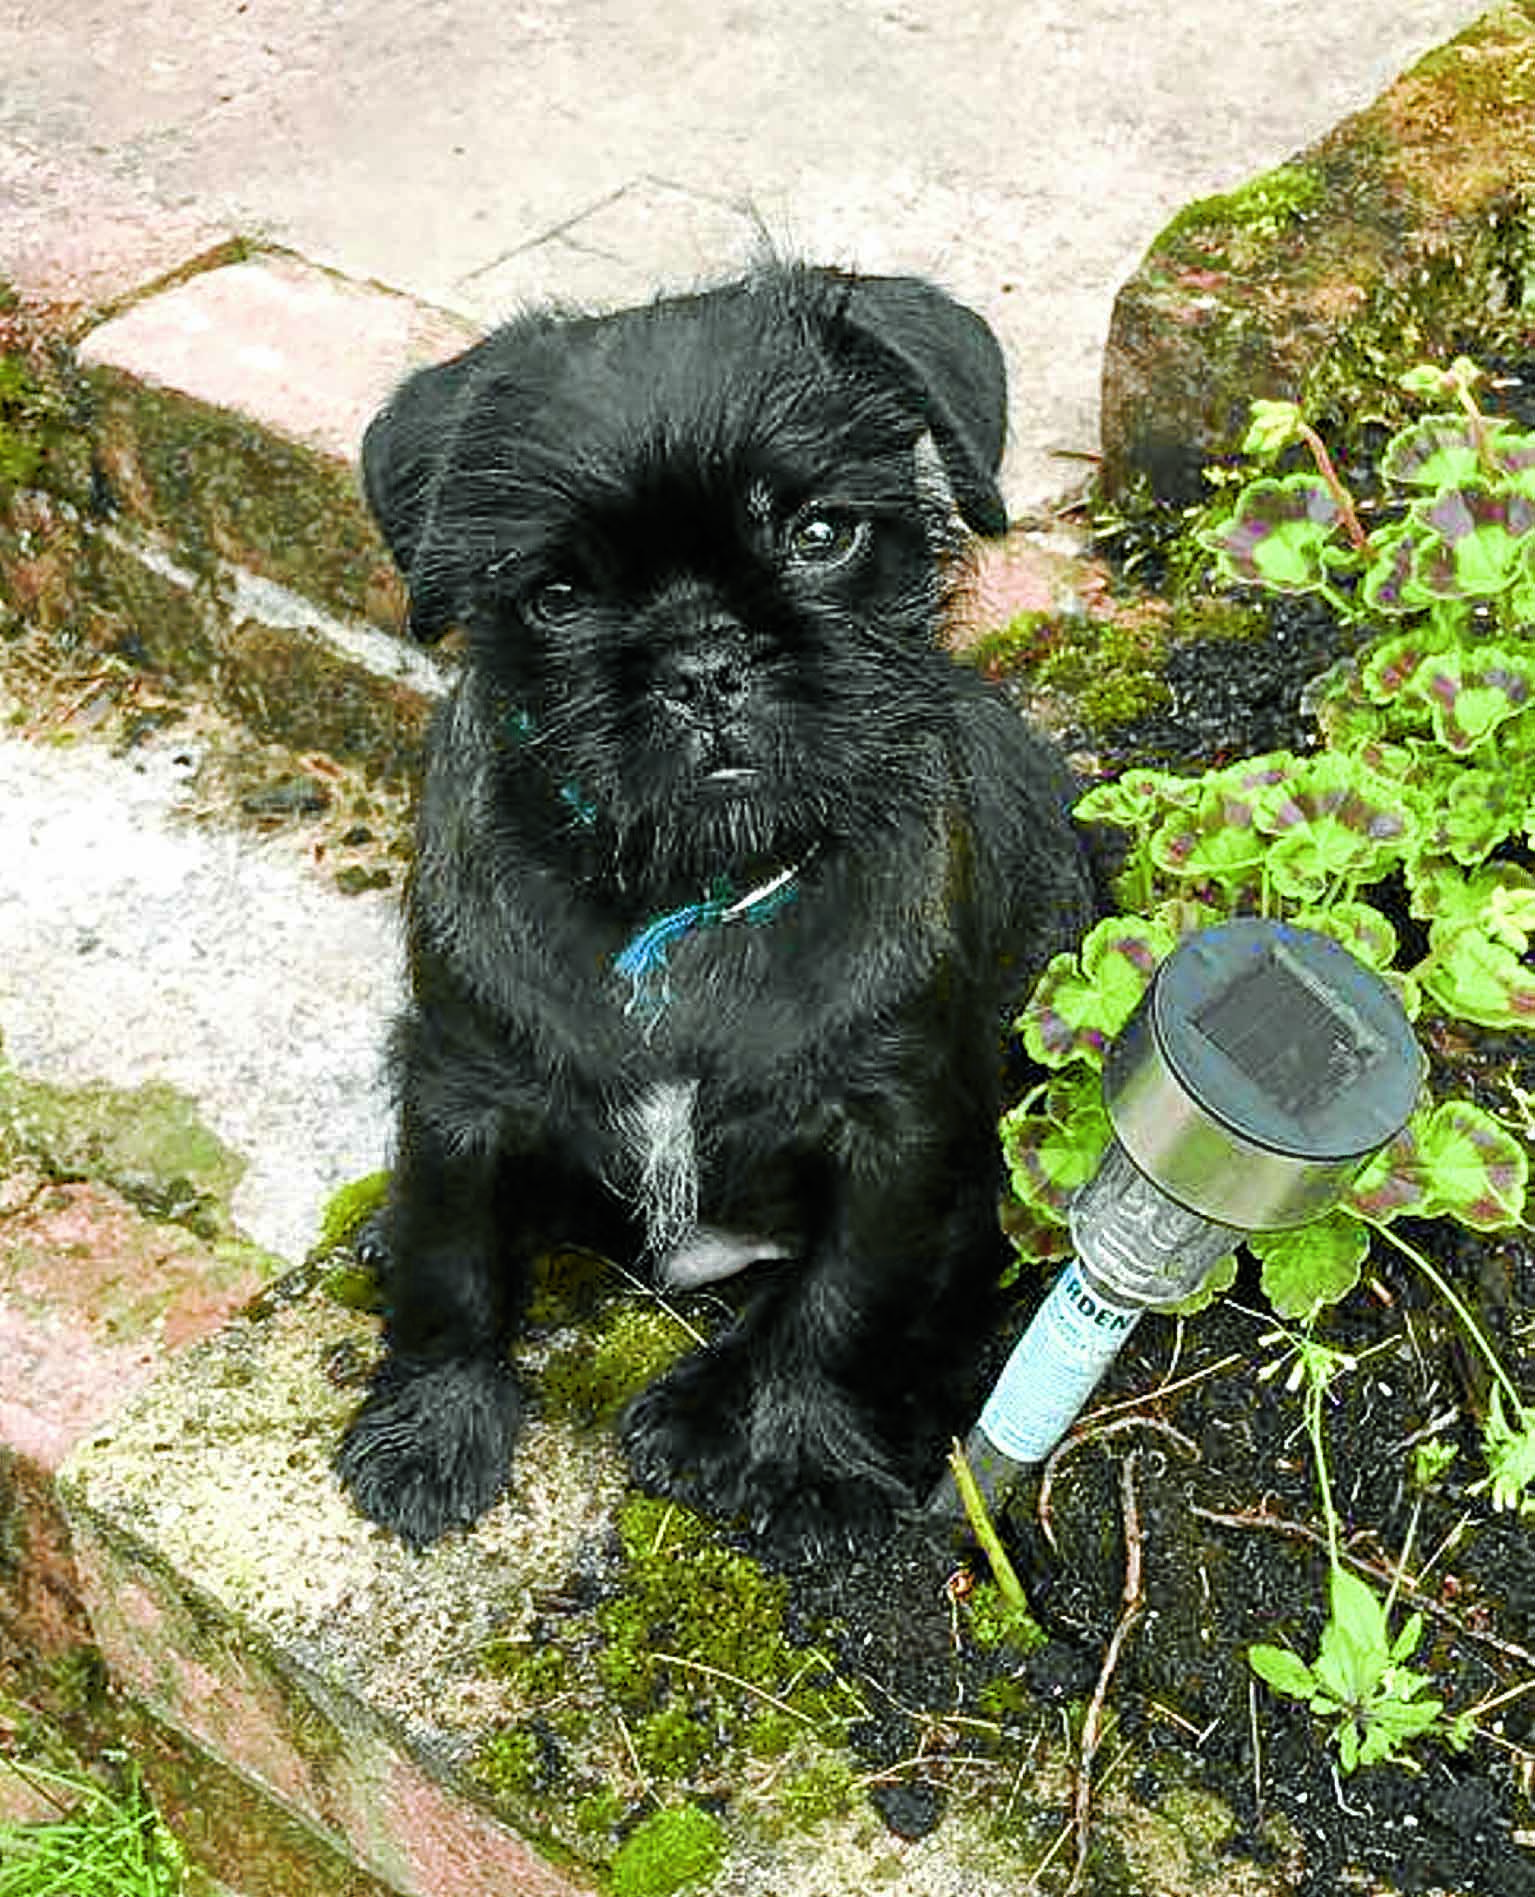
x=706 y=690
x=708 y=685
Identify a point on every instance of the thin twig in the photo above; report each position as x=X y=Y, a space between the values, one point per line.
x=1377 y=1571
x=1134 y=1605
x=1080 y=1437
x=734 y=1679
x=1256 y=1730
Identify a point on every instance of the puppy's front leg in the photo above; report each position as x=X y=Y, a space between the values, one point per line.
x=430 y=1449
x=796 y=1421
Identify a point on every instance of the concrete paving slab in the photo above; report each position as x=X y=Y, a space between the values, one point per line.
x=477 y=154
x=135 y=946
x=81 y=241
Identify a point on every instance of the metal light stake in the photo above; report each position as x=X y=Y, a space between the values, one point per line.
x=1263 y=1067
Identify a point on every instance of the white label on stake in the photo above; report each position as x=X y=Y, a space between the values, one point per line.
x=1054 y=1367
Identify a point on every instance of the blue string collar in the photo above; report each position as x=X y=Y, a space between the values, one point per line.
x=643 y=959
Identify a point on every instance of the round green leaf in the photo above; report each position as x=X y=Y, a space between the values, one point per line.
x=1475 y=1170
x=1081 y=1002
x=1314 y=1264
x=1278 y=534
x=1285 y=1671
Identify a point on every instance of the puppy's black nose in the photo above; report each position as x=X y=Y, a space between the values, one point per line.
x=707 y=684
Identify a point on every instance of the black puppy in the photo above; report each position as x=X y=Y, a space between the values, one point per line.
x=727 y=877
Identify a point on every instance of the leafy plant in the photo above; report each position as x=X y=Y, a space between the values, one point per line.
x=1421 y=798
x=1359 y=1678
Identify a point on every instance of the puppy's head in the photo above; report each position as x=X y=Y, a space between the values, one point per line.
x=700 y=549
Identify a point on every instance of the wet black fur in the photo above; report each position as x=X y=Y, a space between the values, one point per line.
x=672 y=676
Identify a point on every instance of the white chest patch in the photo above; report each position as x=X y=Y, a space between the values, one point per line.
x=659 y=1138
x=662 y=1150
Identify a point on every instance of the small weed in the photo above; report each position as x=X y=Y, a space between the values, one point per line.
x=1359 y=1679
x=105 y=1843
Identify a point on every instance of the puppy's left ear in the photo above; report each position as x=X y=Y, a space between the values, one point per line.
x=405 y=451
x=951 y=358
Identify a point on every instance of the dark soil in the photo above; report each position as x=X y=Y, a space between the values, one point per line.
x=1232 y=1550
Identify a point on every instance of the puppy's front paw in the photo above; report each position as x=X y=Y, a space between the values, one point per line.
x=431 y=1447
x=684 y=1439
x=798 y=1469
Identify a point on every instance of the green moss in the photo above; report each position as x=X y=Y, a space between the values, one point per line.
x=20 y=452
x=679 y=1676
x=224 y=488
x=568 y=1286
x=1260 y=209
x=1016 y=647
x=826 y=1788
x=1110 y=669
x=627 y=1348
x=677 y=1847
x=993 y=1623
x=350 y=1207
x=146 y=1143
x=515 y=1759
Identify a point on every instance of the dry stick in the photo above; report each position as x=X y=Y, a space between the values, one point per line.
x=1377 y=1571
x=1134 y=1599
x=1091 y=1432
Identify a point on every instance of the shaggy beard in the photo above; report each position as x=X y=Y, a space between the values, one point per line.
x=672 y=848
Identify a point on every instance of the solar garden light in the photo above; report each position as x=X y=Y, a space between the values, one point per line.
x=1262 y=1068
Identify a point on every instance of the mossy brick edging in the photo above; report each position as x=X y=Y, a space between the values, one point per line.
x=116 y=1246
x=539 y=1706
x=1404 y=232
x=150 y=533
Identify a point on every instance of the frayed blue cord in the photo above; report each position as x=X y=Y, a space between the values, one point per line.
x=642 y=961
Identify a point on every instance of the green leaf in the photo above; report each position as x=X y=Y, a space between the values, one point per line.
x=1388 y=670
x=1434 y=452
x=1283 y=1670
x=1470 y=694
x=1211 y=841
x=1475 y=1170
x=1475 y=541
x=1367 y=935
x=1387 y=585
x=1218 y=1280
x=1472 y=975
x=1392 y=1723
x=1441 y=893
x=1466 y=693
x=1474 y=811
x=1392 y=1182
x=1278 y=534
x=1312 y=1265
x=1082 y=1001
x=1335 y=820
x=1511 y=917
x=1510 y=1452
x=1051 y=1154
x=1273 y=427
x=1354 y=1651
x=1406 y=1642
x=1136 y=799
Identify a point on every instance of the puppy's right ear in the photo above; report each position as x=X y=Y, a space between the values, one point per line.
x=406 y=452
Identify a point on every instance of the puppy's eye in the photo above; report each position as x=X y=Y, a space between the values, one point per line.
x=555 y=603
x=825 y=540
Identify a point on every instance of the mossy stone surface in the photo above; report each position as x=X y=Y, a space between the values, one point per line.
x=147 y=1143
x=1405 y=232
